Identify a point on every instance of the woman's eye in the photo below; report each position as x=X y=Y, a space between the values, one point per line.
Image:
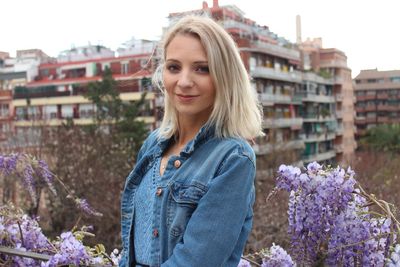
x=203 y=69
x=173 y=68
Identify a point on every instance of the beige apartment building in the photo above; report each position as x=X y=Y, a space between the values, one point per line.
x=377 y=98
x=331 y=63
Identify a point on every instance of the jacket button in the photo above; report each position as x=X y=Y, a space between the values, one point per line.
x=159 y=192
x=177 y=163
x=155 y=233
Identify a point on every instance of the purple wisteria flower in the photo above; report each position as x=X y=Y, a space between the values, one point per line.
x=84 y=206
x=277 y=257
x=244 y=263
x=328 y=218
x=71 y=251
x=394 y=260
x=29 y=170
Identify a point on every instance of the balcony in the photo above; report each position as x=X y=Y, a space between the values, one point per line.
x=333 y=64
x=339 y=149
x=313 y=117
x=394 y=120
x=5 y=94
x=370 y=119
x=311 y=138
x=360 y=120
x=78 y=121
x=318 y=98
x=382 y=95
x=339 y=114
x=339 y=97
x=262 y=149
x=320 y=156
x=313 y=77
x=275 y=50
x=270 y=99
x=339 y=131
x=338 y=80
x=371 y=107
x=361 y=132
x=272 y=74
x=283 y=123
x=383 y=119
x=370 y=97
x=232 y=24
x=360 y=109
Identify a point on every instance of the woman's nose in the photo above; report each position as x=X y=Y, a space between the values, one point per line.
x=185 y=79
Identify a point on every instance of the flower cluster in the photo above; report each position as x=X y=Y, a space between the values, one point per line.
x=275 y=256
x=329 y=219
x=32 y=172
x=394 y=260
x=21 y=232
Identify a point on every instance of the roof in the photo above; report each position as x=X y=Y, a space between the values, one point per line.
x=96 y=60
x=376 y=74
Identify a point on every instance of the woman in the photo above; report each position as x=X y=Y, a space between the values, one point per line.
x=188 y=201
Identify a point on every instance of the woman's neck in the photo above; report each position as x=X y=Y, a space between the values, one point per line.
x=187 y=130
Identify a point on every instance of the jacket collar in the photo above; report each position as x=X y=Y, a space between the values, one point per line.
x=204 y=134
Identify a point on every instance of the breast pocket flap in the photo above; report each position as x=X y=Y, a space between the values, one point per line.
x=187 y=194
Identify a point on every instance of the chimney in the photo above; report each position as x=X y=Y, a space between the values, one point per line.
x=205 y=5
x=298 y=30
x=215 y=4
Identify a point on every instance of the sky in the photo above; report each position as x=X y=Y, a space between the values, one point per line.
x=365 y=30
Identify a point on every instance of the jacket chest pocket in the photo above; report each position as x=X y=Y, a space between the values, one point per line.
x=183 y=200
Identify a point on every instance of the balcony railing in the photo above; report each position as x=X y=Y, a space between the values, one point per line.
x=5 y=94
x=339 y=114
x=338 y=80
x=276 y=50
x=313 y=117
x=313 y=77
x=59 y=122
x=382 y=96
x=370 y=107
x=339 y=97
x=339 y=131
x=320 y=156
x=319 y=98
x=333 y=64
x=269 y=99
x=262 y=149
x=269 y=73
x=311 y=138
x=383 y=119
x=282 y=122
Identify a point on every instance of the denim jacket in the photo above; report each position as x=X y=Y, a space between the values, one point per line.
x=203 y=210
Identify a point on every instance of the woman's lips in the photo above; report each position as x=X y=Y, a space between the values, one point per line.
x=186 y=98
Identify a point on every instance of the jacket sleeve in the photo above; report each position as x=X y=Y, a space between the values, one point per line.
x=214 y=229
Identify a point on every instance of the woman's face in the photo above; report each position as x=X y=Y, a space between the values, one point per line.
x=187 y=79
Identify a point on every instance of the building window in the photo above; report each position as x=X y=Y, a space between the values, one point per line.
x=124 y=67
x=105 y=65
x=395 y=79
x=4 y=110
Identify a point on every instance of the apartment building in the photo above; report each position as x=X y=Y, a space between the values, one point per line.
x=57 y=91
x=331 y=64
x=377 y=99
x=301 y=87
x=15 y=72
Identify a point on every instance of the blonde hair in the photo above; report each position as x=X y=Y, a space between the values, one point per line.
x=236 y=111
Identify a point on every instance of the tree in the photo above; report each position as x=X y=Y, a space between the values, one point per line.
x=94 y=160
x=385 y=137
